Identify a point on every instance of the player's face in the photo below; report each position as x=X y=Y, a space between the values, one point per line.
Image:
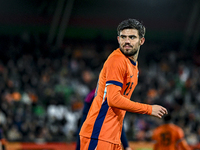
x=129 y=41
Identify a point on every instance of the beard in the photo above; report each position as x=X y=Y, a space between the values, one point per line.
x=129 y=52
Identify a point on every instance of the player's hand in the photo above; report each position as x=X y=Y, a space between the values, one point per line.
x=128 y=148
x=158 y=111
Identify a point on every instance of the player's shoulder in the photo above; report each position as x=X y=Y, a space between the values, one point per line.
x=175 y=126
x=159 y=128
x=156 y=131
x=116 y=56
x=178 y=129
x=175 y=129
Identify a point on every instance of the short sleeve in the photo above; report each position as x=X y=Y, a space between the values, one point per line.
x=115 y=69
x=180 y=133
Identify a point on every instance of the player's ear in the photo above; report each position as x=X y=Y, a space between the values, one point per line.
x=142 y=40
x=118 y=38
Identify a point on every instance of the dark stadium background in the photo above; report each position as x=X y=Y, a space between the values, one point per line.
x=65 y=43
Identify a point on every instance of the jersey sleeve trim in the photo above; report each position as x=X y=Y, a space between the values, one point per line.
x=114 y=82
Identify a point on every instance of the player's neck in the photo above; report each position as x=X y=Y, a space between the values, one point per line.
x=134 y=57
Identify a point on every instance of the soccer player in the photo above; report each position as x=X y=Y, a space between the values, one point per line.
x=169 y=136
x=87 y=103
x=117 y=80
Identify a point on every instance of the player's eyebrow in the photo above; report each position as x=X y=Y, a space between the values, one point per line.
x=128 y=36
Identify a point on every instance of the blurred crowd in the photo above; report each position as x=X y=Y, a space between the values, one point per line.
x=43 y=87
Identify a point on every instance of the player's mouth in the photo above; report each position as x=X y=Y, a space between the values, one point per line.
x=127 y=46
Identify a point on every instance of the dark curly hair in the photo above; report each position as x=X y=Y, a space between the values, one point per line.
x=132 y=24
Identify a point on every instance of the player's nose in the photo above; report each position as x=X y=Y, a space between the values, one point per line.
x=127 y=40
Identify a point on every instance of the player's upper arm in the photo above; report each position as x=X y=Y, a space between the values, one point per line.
x=181 y=140
x=115 y=69
x=180 y=133
x=183 y=144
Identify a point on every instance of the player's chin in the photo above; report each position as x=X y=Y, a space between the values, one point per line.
x=127 y=50
x=128 y=54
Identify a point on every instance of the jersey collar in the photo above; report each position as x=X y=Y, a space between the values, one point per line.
x=134 y=63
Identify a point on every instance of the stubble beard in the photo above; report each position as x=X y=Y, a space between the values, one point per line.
x=131 y=53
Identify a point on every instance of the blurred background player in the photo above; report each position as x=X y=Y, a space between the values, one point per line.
x=2 y=141
x=87 y=103
x=169 y=136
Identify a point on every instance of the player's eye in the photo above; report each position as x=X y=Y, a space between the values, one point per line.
x=123 y=37
x=132 y=37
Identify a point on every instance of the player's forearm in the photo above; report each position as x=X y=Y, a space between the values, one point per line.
x=115 y=99
x=184 y=146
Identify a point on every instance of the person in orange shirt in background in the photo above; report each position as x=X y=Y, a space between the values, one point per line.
x=103 y=126
x=169 y=136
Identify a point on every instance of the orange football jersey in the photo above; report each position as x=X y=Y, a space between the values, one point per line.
x=117 y=80
x=167 y=136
